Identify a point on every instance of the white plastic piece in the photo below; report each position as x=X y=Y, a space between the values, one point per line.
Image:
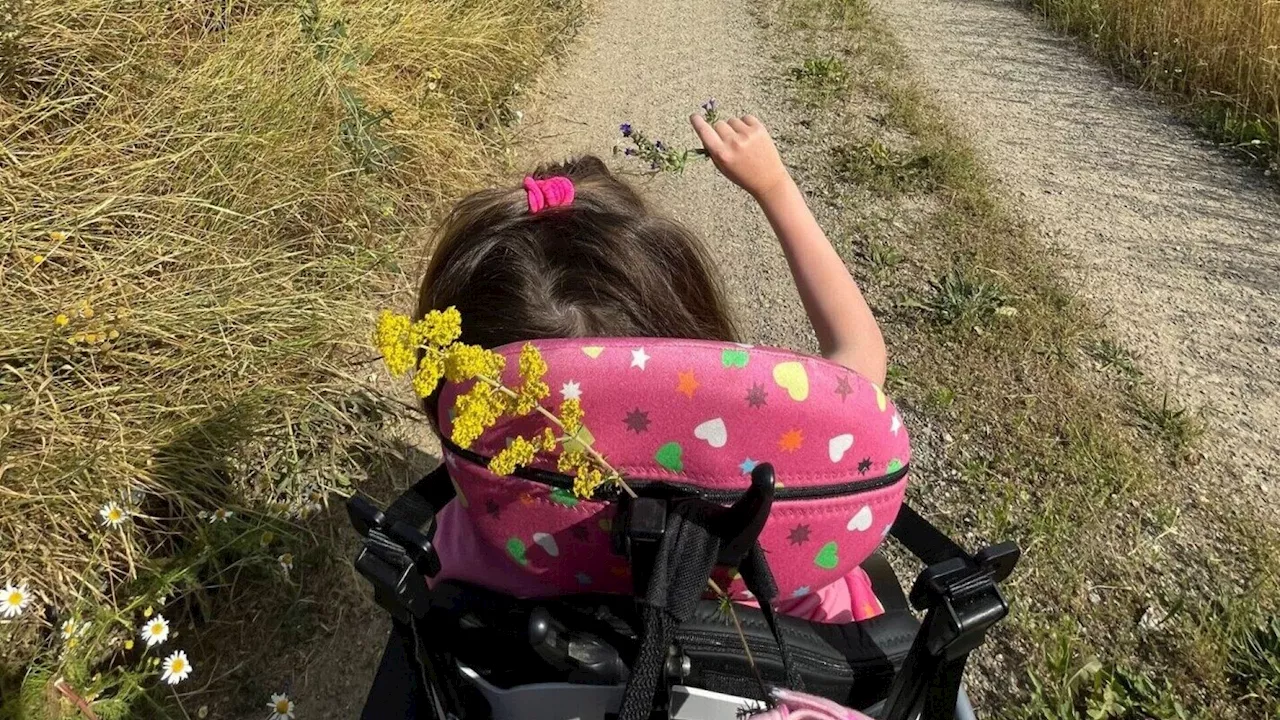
x=695 y=704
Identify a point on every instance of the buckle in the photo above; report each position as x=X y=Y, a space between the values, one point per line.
x=396 y=559
x=968 y=597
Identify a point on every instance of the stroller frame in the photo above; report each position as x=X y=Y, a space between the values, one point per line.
x=957 y=592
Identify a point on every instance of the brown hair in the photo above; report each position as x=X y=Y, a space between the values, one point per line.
x=602 y=266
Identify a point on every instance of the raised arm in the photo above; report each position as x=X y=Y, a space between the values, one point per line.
x=847 y=332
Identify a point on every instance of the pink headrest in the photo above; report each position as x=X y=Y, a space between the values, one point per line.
x=699 y=413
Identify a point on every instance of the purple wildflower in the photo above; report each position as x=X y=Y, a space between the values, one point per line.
x=709 y=105
x=629 y=152
x=657 y=145
x=626 y=129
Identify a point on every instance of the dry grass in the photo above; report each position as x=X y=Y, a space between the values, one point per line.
x=1224 y=54
x=212 y=195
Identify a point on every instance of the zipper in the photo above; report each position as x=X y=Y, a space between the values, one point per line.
x=806 y=660
x=565 y=482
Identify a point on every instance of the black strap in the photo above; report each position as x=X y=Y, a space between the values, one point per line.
x=923 y=539
x=758 y=578
x=684 y=559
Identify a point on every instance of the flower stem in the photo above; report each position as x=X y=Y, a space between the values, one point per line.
x=742 y=636
x=596 y=456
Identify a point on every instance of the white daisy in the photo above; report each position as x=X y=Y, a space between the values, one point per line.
x=286 y=562
x=113 y=515
x=281 y=707
x=220 y=515
x=154 y=631
x=74 y=627
x=176 y=668
x=13 y=599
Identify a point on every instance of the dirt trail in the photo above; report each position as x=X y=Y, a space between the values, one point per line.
x=652 y=68
x=1179 y=246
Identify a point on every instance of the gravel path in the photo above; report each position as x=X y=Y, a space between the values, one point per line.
x=652 y=65
x=1179 y=246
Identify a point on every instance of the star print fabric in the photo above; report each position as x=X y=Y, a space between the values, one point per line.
x=701 y=414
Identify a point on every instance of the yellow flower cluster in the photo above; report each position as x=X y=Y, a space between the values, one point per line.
x=431 y=345
x=532 y=388
x=392 y=337
x=438 y=328
x=476 y=411
x=518 y=454
x=571 y=416
x=586 y=476
x=430 y=368
x=465 y=362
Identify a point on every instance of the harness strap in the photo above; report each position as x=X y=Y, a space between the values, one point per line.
x=758 y=578
x=924 y=540
x=683 y=561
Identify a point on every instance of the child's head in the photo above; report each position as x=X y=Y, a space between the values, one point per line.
x=601 y=266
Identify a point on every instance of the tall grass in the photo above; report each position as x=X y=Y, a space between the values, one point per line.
x=1223 y=54
x=199 y=203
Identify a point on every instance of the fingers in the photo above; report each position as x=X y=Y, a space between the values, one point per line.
x=738 y=126
x=711 y=139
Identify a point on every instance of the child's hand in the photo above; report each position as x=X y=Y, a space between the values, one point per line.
x=743 y=151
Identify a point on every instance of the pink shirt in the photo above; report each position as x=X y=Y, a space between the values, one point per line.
x=466 y=557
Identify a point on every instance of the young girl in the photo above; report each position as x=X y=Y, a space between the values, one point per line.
x=575 y=252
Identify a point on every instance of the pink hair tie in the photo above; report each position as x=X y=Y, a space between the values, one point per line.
x=550 y=192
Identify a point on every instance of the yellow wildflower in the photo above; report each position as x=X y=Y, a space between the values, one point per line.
x=86 y=310
x=428 y=376
x=530 y=395
x=570 y=461
x=392 y=336
x=518 y=454
x=465 y=362
x=547 y=441
x=37 y=259
x=571 y=415
x=586 y=482
x=61 y=320
x=128 y=644
x=439 y=328
x=113 y=334
x=57 y=236
x=532 y=366
x=476 y=412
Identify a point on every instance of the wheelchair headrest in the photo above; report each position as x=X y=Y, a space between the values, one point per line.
x=701 y=415
x=703 y=412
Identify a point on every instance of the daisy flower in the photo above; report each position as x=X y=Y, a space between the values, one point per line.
x=154 y=631
x=220 y=515
x=281 y=707
x=13 y=599
x=286 y=562
x=176 y=668
x=113 y=515
x=74 y=627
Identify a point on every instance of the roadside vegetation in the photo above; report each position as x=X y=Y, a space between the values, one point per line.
x=201 y=207
x=1222 y=56
x=1149 y=583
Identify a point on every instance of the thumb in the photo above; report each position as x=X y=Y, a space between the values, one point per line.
x=707 y=134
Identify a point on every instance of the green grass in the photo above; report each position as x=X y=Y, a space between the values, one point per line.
x=201 y=204
x=1051 y=436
